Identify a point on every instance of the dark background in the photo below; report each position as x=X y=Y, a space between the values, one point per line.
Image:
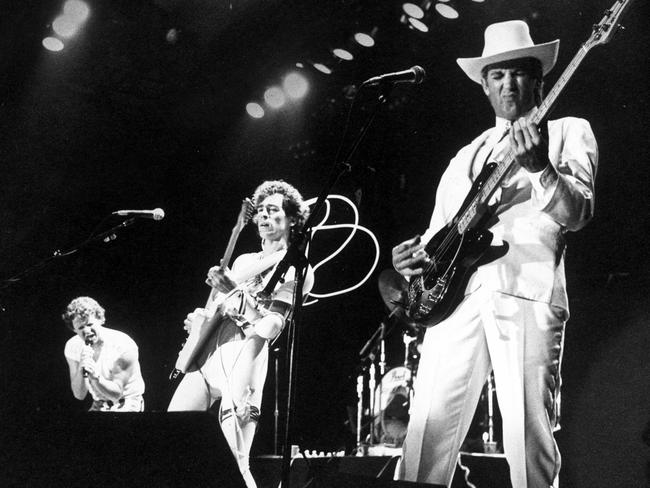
x=123 y=118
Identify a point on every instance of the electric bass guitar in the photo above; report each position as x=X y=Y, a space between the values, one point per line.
x=456 y=250
x=191 y=356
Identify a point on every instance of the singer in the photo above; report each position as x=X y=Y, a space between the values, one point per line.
x=235 y=369
x=102 y=361
x=514 y=306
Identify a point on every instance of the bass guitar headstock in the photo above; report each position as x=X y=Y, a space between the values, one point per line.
x=605 y=29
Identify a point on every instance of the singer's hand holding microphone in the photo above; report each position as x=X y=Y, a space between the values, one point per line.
x=87 y=362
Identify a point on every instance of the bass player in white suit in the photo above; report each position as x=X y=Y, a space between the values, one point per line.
x=237 y=355
x=513 y=311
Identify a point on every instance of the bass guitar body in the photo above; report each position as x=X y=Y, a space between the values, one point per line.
x=457 y=250
x=434 y=297
x=453 y=257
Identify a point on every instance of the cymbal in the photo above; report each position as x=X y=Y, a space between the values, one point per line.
x=392 y=288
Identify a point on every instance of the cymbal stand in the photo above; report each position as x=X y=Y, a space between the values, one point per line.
x=276 y=411
x=408 y=365
x=382 y=349
x=359 y=410
x=369 y=351
x=372 y=384
x=407 y=343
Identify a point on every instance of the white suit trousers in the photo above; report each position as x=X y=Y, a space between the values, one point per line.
x=521 y=341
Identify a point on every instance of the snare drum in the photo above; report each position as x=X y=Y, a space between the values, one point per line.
x=392 y=402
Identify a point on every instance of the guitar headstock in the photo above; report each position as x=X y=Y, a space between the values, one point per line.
x=605 y=29
x=245 y=213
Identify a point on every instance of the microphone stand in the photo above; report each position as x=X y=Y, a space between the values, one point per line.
x=295 y=257
x=276 y=412
x=107 y=236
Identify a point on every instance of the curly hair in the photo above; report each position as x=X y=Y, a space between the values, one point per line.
x=83 y=307
x=292 y=203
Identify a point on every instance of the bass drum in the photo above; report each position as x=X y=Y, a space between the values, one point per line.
x=392 y=402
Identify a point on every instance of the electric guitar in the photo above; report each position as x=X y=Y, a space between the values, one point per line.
x=191 y=356
x=456 y=250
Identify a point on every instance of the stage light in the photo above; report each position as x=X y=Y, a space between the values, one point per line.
x=322 y=68
x=274 y=97
x=447 y=11
x=343 y=54
x=76 y=10
x=366 y=39
x=418 y=24
x=65 y=26
x=413 y=10
x=295 y=85
x=417 y=16
x=52 y=44
x=255 y=110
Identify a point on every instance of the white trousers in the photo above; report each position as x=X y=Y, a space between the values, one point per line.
x=521 y=341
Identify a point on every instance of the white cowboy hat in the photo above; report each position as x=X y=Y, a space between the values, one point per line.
x=509 y=40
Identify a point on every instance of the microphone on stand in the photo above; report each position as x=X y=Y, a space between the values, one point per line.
x=155 y=214
x=414 y=74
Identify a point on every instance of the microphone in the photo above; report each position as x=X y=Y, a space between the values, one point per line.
x=414 y=74
x=156 y=213
x=89 y=342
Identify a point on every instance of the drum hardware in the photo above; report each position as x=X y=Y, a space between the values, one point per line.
x=369 y=352
x=394 y=396
x=392 y=288
x=389 y=392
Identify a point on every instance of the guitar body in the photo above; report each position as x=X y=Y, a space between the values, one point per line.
x=434 y=295
x=461 y=247
x=194 y=352
x=236 y=306
x=434 y=298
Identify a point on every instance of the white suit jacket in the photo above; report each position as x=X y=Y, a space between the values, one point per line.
x=531 y=212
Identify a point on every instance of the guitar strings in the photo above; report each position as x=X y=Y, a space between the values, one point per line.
x=454 y=232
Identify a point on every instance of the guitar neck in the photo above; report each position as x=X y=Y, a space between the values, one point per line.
x=230 y=248
x=475 y=209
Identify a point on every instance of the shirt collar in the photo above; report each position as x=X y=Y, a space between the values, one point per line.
x=502 y=124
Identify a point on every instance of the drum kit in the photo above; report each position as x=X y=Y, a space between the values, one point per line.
x=385 y=388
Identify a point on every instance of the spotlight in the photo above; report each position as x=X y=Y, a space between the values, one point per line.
x=366 y=39
x=255 y=110
x=322 y=68
x=417 y=16
x=274 y=97
x=418 y=24
x=65 y=26
x=413 y=10
x=343 y=54
x=447 y=11
x=76 y=10
x=295 y=85
x=52 y=44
